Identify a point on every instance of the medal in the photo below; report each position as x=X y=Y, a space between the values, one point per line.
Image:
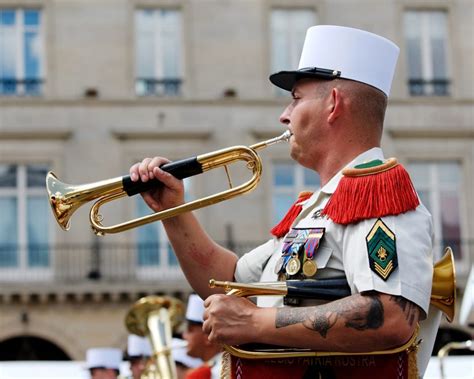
x=293 y=266
x=309 y=268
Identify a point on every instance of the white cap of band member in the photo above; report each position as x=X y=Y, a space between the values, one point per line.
x=138 y=346
x=103 y=357
x=331 y=52
x=180 y=354
x=195 y=309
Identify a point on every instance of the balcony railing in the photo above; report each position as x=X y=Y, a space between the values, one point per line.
x=114 y=263
x=158 y=87
x=27 y=86
x=425 y=87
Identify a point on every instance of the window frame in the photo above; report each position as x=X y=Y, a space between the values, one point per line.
x=271 y=64
x=20 y=29
x=427 y=80
x=178 y=81
x=21 y=192
x=434 y=189
x=137 y=145
x=411 y=149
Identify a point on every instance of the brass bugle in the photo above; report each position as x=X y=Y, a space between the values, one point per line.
x=323 y=289
x=65 y=199
x=443 y=291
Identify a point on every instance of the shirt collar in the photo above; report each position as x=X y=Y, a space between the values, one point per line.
x=366 y=156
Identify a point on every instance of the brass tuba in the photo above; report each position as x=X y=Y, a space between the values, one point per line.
x=156 y=317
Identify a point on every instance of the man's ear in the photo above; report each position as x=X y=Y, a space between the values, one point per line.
x=336 y=105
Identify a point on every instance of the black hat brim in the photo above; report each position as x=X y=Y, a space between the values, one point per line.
x=287 y=79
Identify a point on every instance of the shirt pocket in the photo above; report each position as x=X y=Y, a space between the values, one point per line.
x=322 y=256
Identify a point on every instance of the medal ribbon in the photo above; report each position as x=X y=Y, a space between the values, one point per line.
x=313 y=240
x=292 y=244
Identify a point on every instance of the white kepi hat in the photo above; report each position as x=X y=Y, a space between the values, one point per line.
x=103 y=357
x=195 y=309
x=331 y=52
x=138 y=346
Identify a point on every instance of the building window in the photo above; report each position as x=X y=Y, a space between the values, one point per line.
x=158 y=52
x=153 y=247
x=288 y=30
x=24 y=226
x=289 y=180
x=439 y=186
x=426 y=40
x=21 y=52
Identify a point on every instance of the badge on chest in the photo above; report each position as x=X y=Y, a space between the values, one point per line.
x=297 y=257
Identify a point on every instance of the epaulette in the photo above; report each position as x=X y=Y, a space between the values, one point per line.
x=284 y=225
x=371 y=190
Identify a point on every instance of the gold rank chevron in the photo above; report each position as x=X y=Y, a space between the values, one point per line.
x=384 y=273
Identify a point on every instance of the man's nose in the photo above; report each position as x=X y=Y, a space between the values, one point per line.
x=285 y=117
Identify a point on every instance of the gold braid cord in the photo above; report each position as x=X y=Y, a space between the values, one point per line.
x=225 y=365
x=412 y=361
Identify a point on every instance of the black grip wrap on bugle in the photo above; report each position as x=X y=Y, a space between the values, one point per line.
x=324 y=289
x=181 y=169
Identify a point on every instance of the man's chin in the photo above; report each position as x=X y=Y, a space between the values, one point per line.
x=294 y=154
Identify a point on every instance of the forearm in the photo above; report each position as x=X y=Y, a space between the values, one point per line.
x=354 y=324
x=199 y=256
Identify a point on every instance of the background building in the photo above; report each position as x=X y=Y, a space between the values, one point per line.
x=89 y=87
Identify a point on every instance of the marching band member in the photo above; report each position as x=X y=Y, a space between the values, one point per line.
x=199 y=346
x=103 y=362
x=138 y=353
x=365 y=223
x=184 y=362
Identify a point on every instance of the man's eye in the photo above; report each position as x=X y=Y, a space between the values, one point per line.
x=295 y=100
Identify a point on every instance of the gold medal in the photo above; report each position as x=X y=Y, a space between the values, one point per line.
x=309 y=268
x=293 y=266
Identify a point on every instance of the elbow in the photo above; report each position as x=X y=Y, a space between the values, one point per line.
x=399 y=333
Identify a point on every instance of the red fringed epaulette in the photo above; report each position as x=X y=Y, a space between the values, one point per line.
x=284 y=225
x=201 y=372
x=371 y=190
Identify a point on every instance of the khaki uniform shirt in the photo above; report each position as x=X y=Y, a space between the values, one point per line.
x=343 y=252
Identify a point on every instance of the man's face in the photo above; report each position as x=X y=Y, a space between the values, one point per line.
x=137 y=366
x=103 y=373
x=305 y=119
x=196 y=339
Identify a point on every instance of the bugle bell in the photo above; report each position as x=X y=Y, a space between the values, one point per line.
x=443 y=291
x=65 y=198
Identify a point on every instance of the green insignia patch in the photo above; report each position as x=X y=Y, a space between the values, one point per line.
x=382 y=250
x=374 y=163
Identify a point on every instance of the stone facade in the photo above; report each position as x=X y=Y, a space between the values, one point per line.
x=226 y=100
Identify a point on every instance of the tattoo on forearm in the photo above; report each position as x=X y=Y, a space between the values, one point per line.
x=410 y=310
x=358 y=312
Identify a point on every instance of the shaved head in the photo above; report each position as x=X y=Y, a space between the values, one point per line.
x=366 y=103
